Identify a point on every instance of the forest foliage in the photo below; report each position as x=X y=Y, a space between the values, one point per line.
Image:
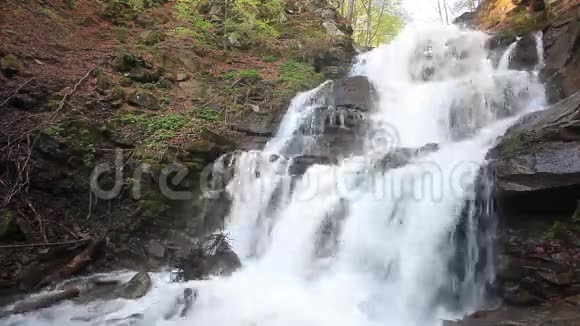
x=373 y=21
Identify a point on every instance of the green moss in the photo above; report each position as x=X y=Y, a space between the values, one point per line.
x=79 y=137
x=298 y=75
x=247 y=74
x=52 y=15
x=515 y=142
x=270 y=58
x=149 y=86
x=156 y=129
x=55 y=131
x=8 y=226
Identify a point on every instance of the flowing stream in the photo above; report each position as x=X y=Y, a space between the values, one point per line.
x=356 y=243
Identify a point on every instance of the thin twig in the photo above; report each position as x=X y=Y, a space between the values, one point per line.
x=39 y=221
x=20 y=185
x=49 y=244
x=9 y=98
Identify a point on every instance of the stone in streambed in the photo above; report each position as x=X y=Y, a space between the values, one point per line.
x=137 y=287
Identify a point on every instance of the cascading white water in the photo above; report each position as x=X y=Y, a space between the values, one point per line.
x=504 y=61
x=352 y=244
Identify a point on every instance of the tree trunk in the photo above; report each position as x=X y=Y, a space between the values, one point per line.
x=75 y=265
x=369 y=24
x=349 y=12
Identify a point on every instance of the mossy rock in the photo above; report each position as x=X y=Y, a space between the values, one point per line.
x=127 y=61
x=103 y=83
x=205 y=150
x=514 y=143
x=11 y=65
x=137 y=287
x=144 y=99
x=142 y=75
x=9 y=229
x=152 y=37
x=118 y=12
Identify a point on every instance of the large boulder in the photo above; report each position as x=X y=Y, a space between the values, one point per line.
x=144 y=99
x=211 y=256
x=539 y=158
x=525 y=55
x=137 y=287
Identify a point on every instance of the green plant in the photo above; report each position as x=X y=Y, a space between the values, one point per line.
x=149 y=86
x=55 y=131
x=208 y=114
x=157 y=129
x=298 y=75
x=245 y=74
x=270 y=58
x=121 y=34
x=51 y=14
x=552 y=232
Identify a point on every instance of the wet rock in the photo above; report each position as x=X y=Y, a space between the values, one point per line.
x=562 y=58
x=43 y=301
x=206 y=150
x=189 y=297
x=11 y=65
x=156 y=249
x=353 y=92
x=301 y=163
x=517 y=296
x=137 y=287
x=210 y=256
x=31 y=275
x=559 y=279
x=143 y=99
x=525 y=55
x=538 y=159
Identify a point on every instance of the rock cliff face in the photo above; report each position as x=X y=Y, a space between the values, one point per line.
x=536 y=172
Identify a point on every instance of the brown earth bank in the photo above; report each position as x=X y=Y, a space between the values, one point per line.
x=85 y=83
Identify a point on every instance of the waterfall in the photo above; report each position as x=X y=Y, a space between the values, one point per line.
x=354 y=242
x=504 y=61
x=538 y=37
